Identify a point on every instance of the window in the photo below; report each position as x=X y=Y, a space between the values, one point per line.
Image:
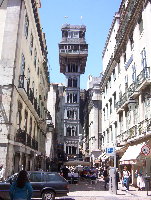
x=107 y=135
x=74 y=98
x=26 y=120
x=26 y=26
x=114 y=75
x=131 y=42
x=114 y=95
x=143 y=58
x=111 y=132
x=71 y=131
x=124 y=56
x=73 y=34
x=104 y=113
x=31 y=43
x=38 y=67
x=52 y=177
x=35 y=57
x=134 y=73
x=72 y=82
x=34 y=136
x=36 y=177
x=119 y=69
x=22 y=65
x=126 y=81
x=30 y=127
x=71 y=98
x=19 y=113
x=72 y=67
x=140 y=23
x=110 y=105
x=71 y=114
x=74 y=150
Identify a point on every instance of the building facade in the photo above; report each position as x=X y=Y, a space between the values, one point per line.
x=55 y=104
x=24 y=84
x=73 y=52
x=94 y=118
x=126 y=86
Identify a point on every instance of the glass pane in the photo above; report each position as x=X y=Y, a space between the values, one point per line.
x=52 y=177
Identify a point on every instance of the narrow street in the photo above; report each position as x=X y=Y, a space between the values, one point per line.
x=86 y=191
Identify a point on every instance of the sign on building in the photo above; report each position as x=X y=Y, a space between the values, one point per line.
x=110 y=151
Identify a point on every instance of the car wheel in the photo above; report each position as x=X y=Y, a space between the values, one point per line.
x=48 y=195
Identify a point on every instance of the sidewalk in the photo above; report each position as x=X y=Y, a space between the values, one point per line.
x=85 y=190
x=135 y=192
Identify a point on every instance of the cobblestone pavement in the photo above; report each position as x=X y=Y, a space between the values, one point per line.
x=86 y=191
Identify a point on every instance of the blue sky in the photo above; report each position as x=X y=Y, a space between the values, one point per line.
x=97 y=15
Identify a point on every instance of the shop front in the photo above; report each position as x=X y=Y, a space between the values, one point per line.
x=136 y=162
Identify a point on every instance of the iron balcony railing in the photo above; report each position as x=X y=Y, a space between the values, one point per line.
x=134 y=87
x=24 y=84
x=143 y=76
x=137 y=131
x=21 y=136
x=26 y=139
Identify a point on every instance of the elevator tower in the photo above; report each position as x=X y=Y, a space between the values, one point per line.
x=73 y=52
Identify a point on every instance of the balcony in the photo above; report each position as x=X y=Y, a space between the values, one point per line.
x=141 y=130
x=28 y=142
x=143 y=79
x=28 y=95
x=26 y=139
x=79 y=52
x=34 y=144
x=21 y=136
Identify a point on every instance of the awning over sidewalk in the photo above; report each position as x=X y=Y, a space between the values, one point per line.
x=76 y=163
x=131 y=154
x=103 y=157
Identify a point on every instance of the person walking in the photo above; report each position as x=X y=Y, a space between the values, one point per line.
x=117 y=177
x=126 y=177
x=21 y=189
x=106 y=177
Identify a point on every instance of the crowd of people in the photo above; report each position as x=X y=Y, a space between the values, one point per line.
x=22 y=189
x=82 y=173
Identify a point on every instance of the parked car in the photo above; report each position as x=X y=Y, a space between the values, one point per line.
x=46 y=185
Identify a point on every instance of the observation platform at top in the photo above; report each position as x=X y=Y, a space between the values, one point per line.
x=73 y=46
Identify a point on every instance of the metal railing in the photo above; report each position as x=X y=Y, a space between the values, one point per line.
x=26 y=139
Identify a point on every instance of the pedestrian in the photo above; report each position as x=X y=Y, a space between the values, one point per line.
x=65 y=171
x=106 y=177
x=2 y=173
x=140 y=179
x=126 y=177
x=117 y=178
x=21 y=189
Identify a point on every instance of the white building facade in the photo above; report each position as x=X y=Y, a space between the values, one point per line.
x=24 y=84
x=94 y=118
x=126 y=85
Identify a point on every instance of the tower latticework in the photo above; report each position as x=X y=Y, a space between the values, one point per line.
x=73 y=52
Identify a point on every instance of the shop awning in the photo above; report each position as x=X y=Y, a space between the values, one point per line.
x=103 y=157
x=131 y=154
x=77 y=162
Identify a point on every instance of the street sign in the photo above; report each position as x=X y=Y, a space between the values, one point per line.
x=110 y=151
x=145 y=150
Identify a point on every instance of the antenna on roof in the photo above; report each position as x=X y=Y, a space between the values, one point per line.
x=81 y=19
x=66 y=18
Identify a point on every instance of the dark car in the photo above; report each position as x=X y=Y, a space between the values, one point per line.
x=46 y=185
